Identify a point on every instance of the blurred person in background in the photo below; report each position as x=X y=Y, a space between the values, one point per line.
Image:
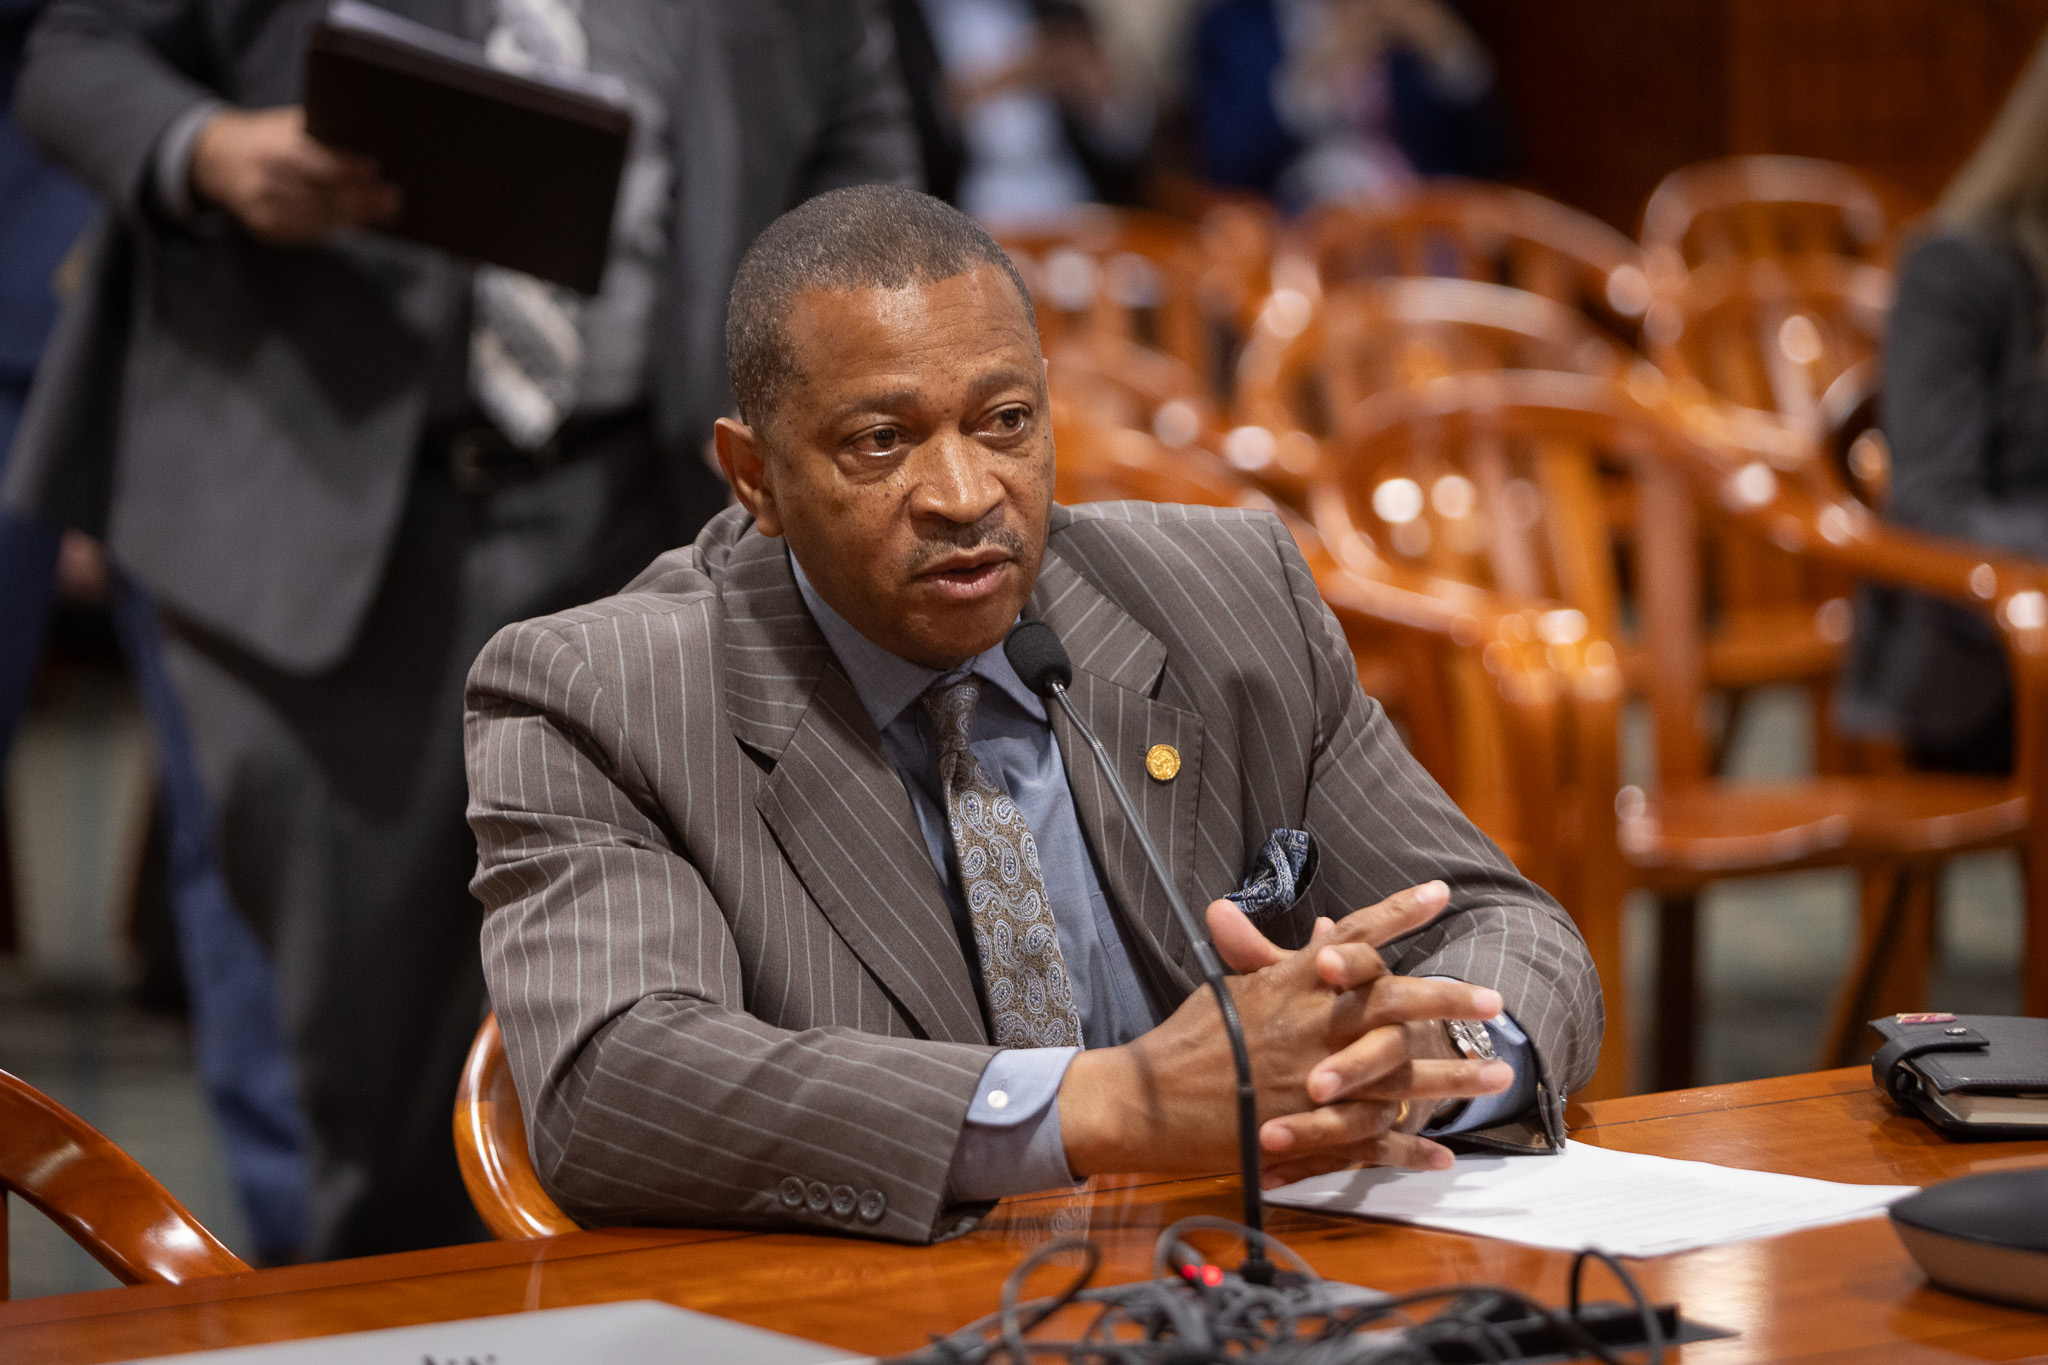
x=1315 y=100
x=229 y=985
x=1965 y=411
x=1021 y=113
x=341 y=462
x=42 y=213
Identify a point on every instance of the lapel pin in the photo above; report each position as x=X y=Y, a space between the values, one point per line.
x=1162 y=762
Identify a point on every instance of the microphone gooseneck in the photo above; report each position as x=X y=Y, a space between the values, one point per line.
x=1042 y=664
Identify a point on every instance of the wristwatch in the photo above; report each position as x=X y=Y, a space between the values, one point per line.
x=1473 y=1040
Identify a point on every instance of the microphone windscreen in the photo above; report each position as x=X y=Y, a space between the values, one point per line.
x=1038 y=656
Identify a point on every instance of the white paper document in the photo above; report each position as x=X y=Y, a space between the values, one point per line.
x=1624 y=1203
x=634 y=1332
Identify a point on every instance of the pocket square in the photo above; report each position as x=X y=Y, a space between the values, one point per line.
x=1279 y=877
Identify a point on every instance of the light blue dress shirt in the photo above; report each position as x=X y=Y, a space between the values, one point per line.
x=1011 y=1142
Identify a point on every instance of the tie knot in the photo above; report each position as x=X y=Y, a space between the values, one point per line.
x=951 y=707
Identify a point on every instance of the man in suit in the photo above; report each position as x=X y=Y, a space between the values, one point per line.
x=341 y=462
x=802 y=910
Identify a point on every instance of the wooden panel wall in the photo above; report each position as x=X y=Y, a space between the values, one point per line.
x=1608 y=95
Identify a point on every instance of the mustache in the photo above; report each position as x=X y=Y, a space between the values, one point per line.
x=989 y=532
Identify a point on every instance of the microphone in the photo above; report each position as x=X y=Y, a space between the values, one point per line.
x=1041 y=662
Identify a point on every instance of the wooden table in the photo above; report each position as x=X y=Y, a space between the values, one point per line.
x=1846 y=1293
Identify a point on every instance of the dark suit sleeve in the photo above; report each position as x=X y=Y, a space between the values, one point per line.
x=103 y=79
x=1383 y=824
x=651 y=1094
x=865 y=134
x=1951 y=325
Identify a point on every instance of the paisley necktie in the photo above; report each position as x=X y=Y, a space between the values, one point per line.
x=1023 y=975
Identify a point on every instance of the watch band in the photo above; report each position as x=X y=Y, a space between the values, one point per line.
x=1474 y=1041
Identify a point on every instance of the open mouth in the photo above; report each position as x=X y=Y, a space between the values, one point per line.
x=966 y=577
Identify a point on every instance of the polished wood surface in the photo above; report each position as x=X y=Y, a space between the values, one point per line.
x=1831 y=1294
x=490 y=1146
x=98 y=1194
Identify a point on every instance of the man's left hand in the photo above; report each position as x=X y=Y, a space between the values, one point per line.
x=1396 y=1076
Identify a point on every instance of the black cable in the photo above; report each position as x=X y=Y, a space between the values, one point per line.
x=1192 y=1311
x=1041 y=661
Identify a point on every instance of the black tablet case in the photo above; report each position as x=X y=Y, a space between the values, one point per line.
x=519 y=170
x=1982 y=1054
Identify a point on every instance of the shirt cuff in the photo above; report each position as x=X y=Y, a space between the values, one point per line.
x=1483 y=1112
x=1011 y=1141
x=171 y=168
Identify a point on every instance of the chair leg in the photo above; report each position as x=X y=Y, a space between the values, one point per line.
x=1677 y=1006
x=1893 y=954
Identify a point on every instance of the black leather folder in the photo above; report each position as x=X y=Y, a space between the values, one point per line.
x=1970 y=1075
x=520 y=170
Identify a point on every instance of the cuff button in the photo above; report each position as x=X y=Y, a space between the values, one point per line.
x=792 y=1192
x=818 y=1195
x=871 y=1205
x=843 y=1201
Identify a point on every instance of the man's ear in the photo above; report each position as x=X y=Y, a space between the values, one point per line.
x=743 y=457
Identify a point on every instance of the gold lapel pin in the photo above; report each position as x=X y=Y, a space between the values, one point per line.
x=1162 y=762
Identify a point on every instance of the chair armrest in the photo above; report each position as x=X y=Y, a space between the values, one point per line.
x=1804 y=516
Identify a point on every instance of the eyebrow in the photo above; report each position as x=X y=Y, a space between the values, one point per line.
x=1002 y=379
x=987 y=383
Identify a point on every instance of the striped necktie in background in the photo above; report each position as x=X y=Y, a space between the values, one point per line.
x=525 y=344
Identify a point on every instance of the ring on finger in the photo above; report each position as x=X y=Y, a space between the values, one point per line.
x=1400 y=1115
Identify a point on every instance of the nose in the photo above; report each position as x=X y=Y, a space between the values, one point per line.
x=957 y=480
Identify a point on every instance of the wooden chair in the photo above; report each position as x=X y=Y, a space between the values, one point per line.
x=1308 y=365
x=1851 y=437
x=1508 y=705
x=1771 y=334
x=490 y=1146
x=1474 y=231
x=1131 y=274
x=1747 y=208
x=98 y=1194
x=1521 y=518
x=1118 y=382
x=1775 y=337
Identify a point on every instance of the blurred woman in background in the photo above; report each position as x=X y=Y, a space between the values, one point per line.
x=1966 y=415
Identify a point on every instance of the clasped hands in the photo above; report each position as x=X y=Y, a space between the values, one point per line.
x=1350 y=1061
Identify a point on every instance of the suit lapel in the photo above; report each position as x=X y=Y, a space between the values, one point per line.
x=832 y=799
x=1117 y=665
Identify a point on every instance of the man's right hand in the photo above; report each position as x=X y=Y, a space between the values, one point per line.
x=286 y=188
x=1325 y=1025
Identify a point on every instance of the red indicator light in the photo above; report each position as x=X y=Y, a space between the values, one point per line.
x=1212 y=1275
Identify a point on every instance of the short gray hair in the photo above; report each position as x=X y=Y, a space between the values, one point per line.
x=861 y=237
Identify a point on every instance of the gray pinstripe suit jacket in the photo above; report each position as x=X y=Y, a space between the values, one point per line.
x=729 y=984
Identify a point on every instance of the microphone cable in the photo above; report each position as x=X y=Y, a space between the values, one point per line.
x=1041 y=662
x=1193 y=1311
